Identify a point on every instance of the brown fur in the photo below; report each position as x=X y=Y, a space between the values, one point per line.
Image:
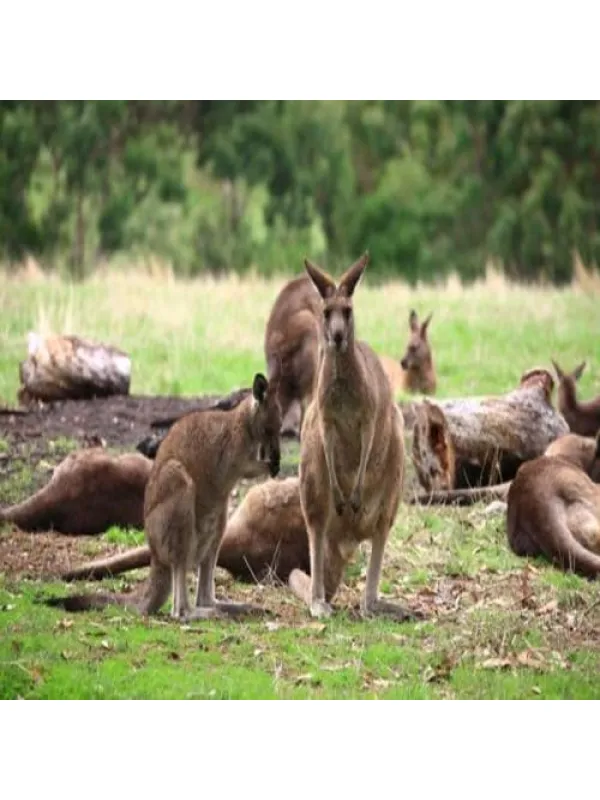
x=581 y=417
x=415 y=372
x=185 y=505
x=433 y=449
x=291 y=345
x=554 y=510
x=89 y=491
x=351 y=455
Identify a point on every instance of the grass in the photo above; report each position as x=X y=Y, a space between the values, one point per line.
x=495 y=626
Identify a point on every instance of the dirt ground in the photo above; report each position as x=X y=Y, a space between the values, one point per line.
x=34 y=441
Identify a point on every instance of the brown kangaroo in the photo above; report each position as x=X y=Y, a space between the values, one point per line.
x=89 y=491
x=351 y=454
x=291 y=345
x=199 y=462
x=553 y=509
x=415 y=372
x=581 y=417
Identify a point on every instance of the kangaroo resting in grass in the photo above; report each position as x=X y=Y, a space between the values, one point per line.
x=199 y=462
x=265 y=537
x=351 y=454
x=581 y=417
x=89 y=491
x=553 y=509
x=415 y=372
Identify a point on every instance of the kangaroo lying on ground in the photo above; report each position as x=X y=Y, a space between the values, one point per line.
x=199 y=462
x=351 y=455
x=554 y=510
x=581 y=417
x=89 y=491
x=265 y=536
x=415 y=372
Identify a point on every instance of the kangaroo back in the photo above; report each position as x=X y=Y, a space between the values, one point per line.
x=291 y=346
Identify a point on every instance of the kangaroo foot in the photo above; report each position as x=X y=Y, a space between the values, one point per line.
x=395 y=611
x=204 y=612
x=240 y=609
x=320 y=609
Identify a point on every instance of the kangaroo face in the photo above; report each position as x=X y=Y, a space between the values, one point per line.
x=338 y=320
x=338 y=327
x=266 y=423
x=418 y=352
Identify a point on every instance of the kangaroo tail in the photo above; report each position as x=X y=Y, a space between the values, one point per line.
x=461 y=497
x=155 y=593
x=559 y=545
x=107 y=567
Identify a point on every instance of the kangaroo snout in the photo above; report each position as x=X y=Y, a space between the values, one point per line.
x=404 y=363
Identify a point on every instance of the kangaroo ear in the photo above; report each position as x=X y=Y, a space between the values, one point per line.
x=259 y=387
x=324 y=282
x=350 y=278
x=425 y=325
x=413 y=321
x=559 y=373
x=578 y=371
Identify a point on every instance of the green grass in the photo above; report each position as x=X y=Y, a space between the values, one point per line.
x=495 y=626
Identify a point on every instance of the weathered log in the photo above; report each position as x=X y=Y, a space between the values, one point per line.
x=473 y=442
x=70 y=367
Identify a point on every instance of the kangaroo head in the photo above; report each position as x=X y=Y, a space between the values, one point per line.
x=567 y=380
x=266 y=422
x=418 y=350
x=432 y=449
x=338 y=319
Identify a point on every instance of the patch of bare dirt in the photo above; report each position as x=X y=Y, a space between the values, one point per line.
x=121 y=421
x=44 y=555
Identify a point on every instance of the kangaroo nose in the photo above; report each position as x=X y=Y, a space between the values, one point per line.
x=403 y=364
x=337 y=338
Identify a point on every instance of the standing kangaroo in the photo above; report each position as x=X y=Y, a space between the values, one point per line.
x=415 y=372
x=291 y=345
x=351 y=455
x=582 y=418
x=199 y=462
x=553 y=508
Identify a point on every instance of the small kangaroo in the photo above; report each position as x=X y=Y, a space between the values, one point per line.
x=415 y=372
x=89 y=491
x=581 y=417
x=351 y=453
x=553 y=508
x=291 y=345
x=202 y=457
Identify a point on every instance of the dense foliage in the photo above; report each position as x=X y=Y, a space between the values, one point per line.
x=429 y=187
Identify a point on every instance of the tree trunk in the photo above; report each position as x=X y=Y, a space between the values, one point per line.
x=473 y=442
x=69 y=367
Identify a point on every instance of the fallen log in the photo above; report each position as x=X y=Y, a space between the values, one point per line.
x=71 y=367
x=473 y=442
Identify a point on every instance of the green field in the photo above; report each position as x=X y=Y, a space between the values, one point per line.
x=496 y=626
